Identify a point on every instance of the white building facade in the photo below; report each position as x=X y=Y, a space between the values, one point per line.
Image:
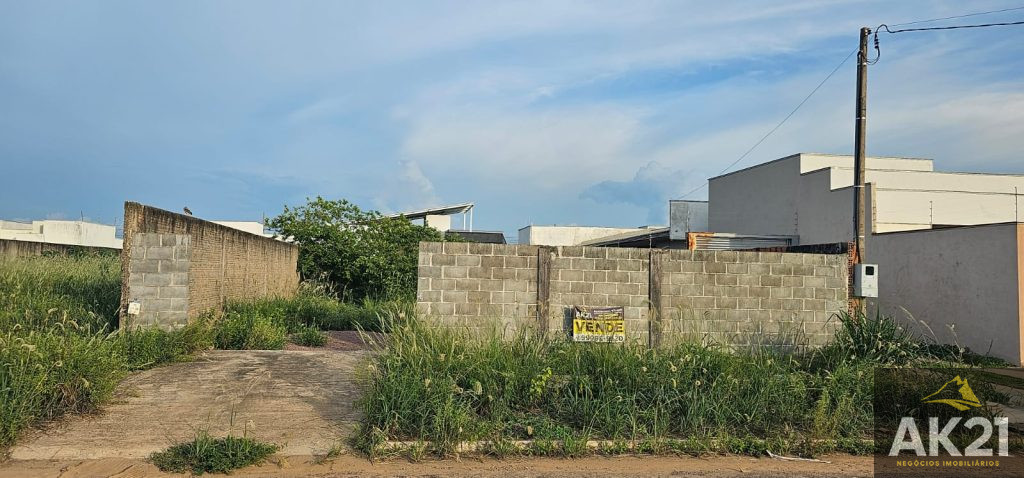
x=949 y=246
x=74 y=233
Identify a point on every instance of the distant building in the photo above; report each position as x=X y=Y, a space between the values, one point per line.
x=949 y=246
x=252 y=227
x=440 y=218
x=810 y=196
x=73 y=233
x=569 y=235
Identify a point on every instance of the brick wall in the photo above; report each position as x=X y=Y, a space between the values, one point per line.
x=736 y=297
x=158 y=279
x=224 y=264
x=16 y=248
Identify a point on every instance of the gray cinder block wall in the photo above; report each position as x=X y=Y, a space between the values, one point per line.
x=728 y=296
x=158 y=279
x=224 y=264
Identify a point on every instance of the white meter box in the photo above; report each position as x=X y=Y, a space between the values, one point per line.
x=865 y=280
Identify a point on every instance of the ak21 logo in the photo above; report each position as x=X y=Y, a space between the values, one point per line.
x=956 y=393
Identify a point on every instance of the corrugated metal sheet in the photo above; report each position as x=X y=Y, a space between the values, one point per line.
x=728 y=243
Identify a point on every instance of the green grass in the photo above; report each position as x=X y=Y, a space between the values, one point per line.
x=249 y=331
x=445 y=387
x=206 y=454
x=309 y=336
x=315 y=306
x=60 y=349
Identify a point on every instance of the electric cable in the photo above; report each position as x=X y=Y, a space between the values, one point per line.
x=773 y=130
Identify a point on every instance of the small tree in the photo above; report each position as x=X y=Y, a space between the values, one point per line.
x=361 y=253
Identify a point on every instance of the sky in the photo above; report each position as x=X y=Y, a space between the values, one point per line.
x=547 y=112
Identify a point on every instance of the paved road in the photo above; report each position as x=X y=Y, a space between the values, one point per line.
x=302 y=400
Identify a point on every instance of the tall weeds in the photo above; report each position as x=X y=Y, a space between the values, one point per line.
x=60 y=350
x=446 y=387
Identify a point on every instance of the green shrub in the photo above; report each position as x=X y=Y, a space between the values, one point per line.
x=879 y=339
x=362 y=254
x=249 y=331
x=206 y=454
x=309 y=336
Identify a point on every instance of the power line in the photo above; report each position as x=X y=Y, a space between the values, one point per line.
x=958 y=16
x=951 y=27
x=769 y=133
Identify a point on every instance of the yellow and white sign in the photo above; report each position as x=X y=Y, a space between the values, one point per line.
x=598 y=324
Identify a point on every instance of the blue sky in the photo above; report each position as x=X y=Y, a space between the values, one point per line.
x=591 y=113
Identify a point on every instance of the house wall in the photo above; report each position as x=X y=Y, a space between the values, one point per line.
x=963 y=282
x=224 y=263
x=727 y=296
x=772 y=187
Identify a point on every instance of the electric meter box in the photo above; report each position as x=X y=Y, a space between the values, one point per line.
x=865 y=280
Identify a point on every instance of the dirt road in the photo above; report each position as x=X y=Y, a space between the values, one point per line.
x=592 y=467
x=301 y=400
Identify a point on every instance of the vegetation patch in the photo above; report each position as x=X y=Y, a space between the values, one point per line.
x=309 y=336
x=315 y=305
x=249 y=331
x=206 y=454
x=444 y=387
x=60 y=348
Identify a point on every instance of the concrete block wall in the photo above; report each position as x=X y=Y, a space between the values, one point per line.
x=726 y=296
x=225 y=264
x=598 y=277
x=752 y=297
x=158 y=279
x=461 y=284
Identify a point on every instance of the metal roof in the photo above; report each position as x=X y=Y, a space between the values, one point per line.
x=651 y=233
x=437 y=211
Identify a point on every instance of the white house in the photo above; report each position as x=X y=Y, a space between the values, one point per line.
x=949 y=245
x=75 y=233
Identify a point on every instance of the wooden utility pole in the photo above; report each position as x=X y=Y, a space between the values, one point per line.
x=859 y=156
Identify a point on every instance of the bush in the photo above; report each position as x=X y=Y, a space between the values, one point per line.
x=362 y=254
x=249 y=331
x=309 y=336
x=206 y=454
x=879 y=339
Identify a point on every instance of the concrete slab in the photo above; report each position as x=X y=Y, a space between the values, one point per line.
x=301 y=400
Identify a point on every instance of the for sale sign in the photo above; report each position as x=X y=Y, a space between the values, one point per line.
x=598 y=324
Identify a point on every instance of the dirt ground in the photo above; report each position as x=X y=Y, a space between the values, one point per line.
x=592 y=467
x=302 y=400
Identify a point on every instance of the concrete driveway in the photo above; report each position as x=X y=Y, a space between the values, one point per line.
x=302 y=400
